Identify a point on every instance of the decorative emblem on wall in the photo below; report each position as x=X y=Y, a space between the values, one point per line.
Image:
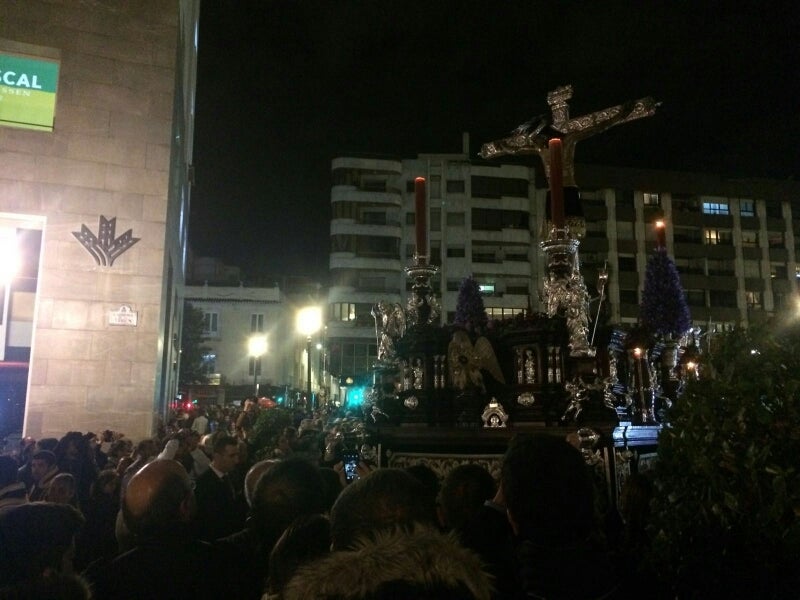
x=104 y=247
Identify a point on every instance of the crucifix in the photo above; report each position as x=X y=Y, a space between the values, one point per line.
x=553 y=139
x=533 y=137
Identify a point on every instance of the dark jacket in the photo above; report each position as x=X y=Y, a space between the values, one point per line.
x=172 y=569
x=218 y=513
x=581 y=571
x=420 y=564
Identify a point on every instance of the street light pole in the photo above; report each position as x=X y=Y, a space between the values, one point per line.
x=309 y=322
x=257 y=346
x=308 y=372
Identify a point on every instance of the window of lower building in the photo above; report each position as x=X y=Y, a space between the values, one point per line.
x=500 y=313
x=343 y=311
x=753 y=299
x=436 y=219
x=775 y=239
x=254 y=367
x=208 y=364
x=455 y=186
x=257 y=323
x=778 y=271
x=455 y=219
x=716 y=207
x=715 y=237
x=626 y=264
x=628 y=297
x=625 y=230
x=720 y=267
x=749 y=239
x=723 y=298
x=211 y=324
x=456 y=252
x=747 y=208
x=752 y=269
x=651 y=199
x=352 y=358
x=696 y=297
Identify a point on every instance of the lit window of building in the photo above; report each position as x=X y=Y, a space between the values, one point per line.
x=747 y=208
x=503 y=313
x=651 y=199
x=208 y=364
x=753 y=299
x=716 y=236
x=343 y=311
x=716 y=208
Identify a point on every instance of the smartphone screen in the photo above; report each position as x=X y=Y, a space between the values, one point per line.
x=350 y=462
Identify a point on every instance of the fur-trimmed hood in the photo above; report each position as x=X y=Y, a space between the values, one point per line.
x=423 y=560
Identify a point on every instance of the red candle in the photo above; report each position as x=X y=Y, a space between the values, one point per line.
x=421 y=210
x=556 y=184
x=661 y=234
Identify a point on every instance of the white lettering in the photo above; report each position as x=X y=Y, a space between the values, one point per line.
x=10 y=78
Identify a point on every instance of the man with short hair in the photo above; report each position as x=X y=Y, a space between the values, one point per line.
x=165 y=562
x=218 y=511
x=383 y=500
x=43 y=470
x=285 y=490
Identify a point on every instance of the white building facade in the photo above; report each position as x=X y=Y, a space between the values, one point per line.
x=736 y=243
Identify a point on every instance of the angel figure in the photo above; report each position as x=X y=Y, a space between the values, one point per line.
x=466 y=362
x=390 y=324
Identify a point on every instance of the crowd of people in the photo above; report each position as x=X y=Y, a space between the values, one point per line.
x=191 y=514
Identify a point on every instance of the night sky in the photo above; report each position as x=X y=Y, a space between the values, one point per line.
x=286 y=86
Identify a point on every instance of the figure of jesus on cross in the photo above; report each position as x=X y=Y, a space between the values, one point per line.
x=533 y=137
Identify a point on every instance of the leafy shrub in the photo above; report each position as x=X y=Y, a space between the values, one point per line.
x=726 y=513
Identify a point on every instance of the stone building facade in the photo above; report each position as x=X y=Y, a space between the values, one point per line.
x=94 y=313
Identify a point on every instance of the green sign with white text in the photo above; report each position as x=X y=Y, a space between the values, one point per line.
x=28 y=92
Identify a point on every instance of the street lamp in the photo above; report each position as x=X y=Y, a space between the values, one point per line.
x=256 y=346
x=309 y=322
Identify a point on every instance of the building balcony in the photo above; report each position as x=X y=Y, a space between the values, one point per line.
x=503 y=236
x=350 y=329
x=351 y=227
x=349 y=193
x=387 y=165
x=350 y=260
x=506 y=267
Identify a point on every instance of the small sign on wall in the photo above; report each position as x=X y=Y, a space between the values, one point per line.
x=124 y=316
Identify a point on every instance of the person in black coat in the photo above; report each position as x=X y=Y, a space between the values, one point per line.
x=218 y=512
x=165 y=561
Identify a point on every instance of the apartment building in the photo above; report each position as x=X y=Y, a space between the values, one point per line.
x=735 y=242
